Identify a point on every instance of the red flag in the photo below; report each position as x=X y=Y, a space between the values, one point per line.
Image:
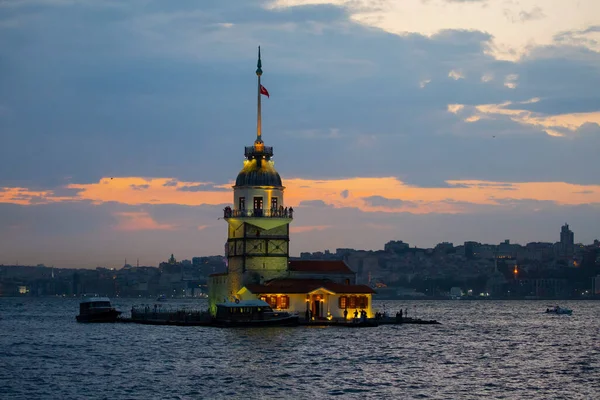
x=264 y=91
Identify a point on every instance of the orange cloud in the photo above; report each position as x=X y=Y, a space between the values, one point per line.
x=138 y=221
x=24 y=196
x=551 y=124
x=384 y=194
x=156 y=191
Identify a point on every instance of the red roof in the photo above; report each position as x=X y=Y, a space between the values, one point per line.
x=306 y=286
x=322 y=266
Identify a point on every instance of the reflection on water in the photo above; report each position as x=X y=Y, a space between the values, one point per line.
x=483 y=348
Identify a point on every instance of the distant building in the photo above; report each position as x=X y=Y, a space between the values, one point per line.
x=343 y=252
x=444 y=247
x=396 y=246
x=567 y=242
x=470 y=248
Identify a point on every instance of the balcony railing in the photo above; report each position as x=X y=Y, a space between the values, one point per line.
x=259 y=213
x=252 y=150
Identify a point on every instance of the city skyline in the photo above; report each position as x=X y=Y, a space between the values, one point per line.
x=123 y=132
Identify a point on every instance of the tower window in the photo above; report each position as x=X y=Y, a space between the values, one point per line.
x=242 y=203
x=274 y=203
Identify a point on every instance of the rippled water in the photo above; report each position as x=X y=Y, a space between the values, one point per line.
x=482 y=349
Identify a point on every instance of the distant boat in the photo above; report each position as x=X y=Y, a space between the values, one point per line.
x=251 y=313
x=559 y=310
x=162 y=297
x=97 y=309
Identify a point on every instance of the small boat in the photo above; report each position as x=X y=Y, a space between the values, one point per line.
x=97 y=309
x=251 y=313
x=162 y=297
x=559 y=310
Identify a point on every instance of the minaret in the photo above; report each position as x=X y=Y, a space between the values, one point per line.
x=258 y=222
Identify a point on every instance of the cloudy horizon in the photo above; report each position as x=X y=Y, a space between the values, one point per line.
x=123 y=123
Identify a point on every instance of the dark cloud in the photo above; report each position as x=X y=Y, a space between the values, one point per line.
x=380 y=201
x=532 y=15
x=65 y=192
x=139 y=187
x=167 y=93
x=345 y=193
x=560 y=105
x=536 y=13
x=203 y=187
x=313 y=203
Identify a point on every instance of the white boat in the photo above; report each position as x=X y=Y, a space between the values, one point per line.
x=559 y=310
x=250 y=313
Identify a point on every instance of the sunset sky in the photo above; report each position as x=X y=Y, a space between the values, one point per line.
x=123 y=122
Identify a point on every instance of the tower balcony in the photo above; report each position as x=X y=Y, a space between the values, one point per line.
x=258 y=151
x=228 y=212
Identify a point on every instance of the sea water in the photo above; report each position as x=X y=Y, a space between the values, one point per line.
x=491 y=349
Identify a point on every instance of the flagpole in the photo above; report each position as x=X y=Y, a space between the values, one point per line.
x=258 y=122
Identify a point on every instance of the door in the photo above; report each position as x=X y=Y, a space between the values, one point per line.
x=273 y=205
x=316 y=309
x=258 y=206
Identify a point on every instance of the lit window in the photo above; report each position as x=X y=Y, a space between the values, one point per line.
x=352 y=302
x=282 y=302
x=343 y=302
x=242 y=203
x=363 y=302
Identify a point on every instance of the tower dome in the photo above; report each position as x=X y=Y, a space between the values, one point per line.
x=254 y=174
x=258 y=169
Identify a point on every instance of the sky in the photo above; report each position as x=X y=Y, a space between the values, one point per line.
x=123 y=123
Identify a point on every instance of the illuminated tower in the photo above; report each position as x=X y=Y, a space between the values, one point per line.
x=258 y=223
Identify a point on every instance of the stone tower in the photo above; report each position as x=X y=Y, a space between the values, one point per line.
x=258 y=223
